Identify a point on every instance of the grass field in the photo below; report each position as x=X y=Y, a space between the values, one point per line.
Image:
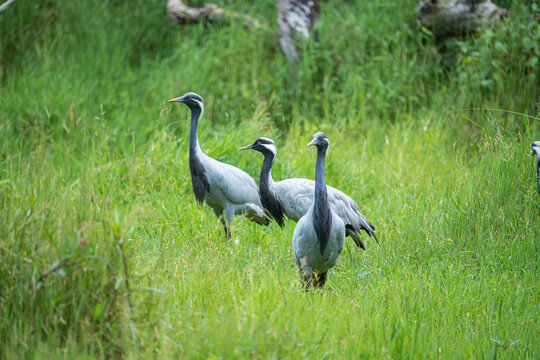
x=105 y=254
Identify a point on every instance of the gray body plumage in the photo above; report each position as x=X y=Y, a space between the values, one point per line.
x=295 y=19
x=225 y=188
x=232 y=191
x=319 y=235
x=536 y=149
x=306 y=250
x=294 y=197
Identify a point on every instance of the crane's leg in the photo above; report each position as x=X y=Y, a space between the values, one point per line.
x=229 y=214
x=321 y=280
x=306 y=280
x=226 y=229
x=307 y=277
x=221 y=218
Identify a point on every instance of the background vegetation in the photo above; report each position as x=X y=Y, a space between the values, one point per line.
x=104 y=253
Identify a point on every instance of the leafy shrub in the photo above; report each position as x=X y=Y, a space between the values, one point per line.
x=502 y=60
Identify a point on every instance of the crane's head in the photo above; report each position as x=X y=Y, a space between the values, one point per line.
x=320 y=140
x=194 y=101
x=263 y=145
x=536 y=149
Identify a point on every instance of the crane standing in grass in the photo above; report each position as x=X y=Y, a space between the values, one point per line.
x=225 y=188
x=319 y=235
x=536 y=149
x=294 y=197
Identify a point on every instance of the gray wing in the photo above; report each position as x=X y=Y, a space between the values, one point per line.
x=295 y=196
x=235 y=184
x=345 y=207
x=234 y=189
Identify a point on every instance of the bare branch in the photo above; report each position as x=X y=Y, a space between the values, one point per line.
x=6 y=5
x=56 y=268
x=183 y=14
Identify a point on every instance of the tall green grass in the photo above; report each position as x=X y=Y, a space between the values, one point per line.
x=104 y=252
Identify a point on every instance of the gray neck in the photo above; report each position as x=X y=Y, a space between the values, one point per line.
x=538 y=172
x=322 y=215
x=193 y=138
x=321 y=199
x=199 y=179
x=266 y=171
x=268 y=198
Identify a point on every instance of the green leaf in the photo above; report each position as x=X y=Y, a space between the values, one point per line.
x=532 y=62
x=153 y=289
x=55 y=264
x=98 y=311
x=118 y=282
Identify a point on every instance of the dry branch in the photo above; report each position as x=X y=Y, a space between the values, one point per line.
x=446 y=18
x=55 y=268
x=6 y=5
x=183 y=14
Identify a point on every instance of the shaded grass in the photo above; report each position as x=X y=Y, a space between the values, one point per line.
x=94 y=166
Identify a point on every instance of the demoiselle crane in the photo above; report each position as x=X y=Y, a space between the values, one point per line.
x=225 y=188
x=294 y=197
x=319 y=234
x=536 y=149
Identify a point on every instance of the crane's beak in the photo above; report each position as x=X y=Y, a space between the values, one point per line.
x=311 y=143
x=178 y=99
x=245 y=147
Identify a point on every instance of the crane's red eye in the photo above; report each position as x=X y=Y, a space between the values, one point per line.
x=322 y=137
x=190 y=98
x=258 y=143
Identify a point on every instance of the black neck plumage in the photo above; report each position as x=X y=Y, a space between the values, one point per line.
x=198 y=174
x=268 y=198
x=322 y=216
x=538 y=173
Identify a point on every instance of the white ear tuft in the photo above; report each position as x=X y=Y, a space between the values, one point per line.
x=271 y=147
x=201 y=104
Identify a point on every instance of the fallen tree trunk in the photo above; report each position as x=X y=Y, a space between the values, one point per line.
x=183 y=14
x=446 y=18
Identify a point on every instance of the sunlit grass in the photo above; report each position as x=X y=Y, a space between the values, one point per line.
x=93 y=170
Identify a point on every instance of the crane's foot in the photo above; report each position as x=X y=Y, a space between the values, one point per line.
x=321 y=280
x=308 y=280
x=227 y=232
x=225 y=228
